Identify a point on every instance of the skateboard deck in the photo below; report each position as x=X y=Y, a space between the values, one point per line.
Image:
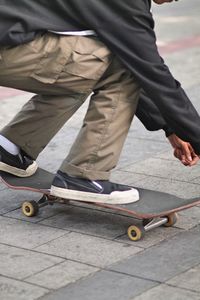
x=152 y=204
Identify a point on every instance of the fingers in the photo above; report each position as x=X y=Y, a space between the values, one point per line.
x=186 y=158
x=183 y=151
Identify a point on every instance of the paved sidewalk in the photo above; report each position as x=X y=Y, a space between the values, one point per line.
x=73 y=252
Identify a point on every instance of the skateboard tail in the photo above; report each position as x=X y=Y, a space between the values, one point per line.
x=26 y=188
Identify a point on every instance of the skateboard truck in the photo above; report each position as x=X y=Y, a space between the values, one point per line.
x=137 y=232
x=31 y=208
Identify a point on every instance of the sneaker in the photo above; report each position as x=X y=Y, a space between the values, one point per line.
x=99 y=191
x=19 y=165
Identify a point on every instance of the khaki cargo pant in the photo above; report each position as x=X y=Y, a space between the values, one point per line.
x=62 y=71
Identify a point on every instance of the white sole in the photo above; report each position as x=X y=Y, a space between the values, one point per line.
x=125 y=197
x=19 y=172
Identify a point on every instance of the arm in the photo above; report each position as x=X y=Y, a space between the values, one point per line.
x=126 y=27
x=152 y=119
x=150 y=116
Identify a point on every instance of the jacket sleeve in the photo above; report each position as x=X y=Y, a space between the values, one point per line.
x=126 y=27
x=150 y=116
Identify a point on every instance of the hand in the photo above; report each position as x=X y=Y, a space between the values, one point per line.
x=183 y=151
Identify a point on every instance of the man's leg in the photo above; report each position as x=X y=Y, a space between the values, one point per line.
x=85 y=172
x=59 y=70
x=112 y=106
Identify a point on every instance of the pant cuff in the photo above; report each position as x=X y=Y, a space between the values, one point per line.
x=84 y=173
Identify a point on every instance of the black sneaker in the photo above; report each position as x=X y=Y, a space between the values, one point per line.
x=19 y=165
x=102 y=191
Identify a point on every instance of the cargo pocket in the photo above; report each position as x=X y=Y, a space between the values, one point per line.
x=54 y=56
x=87 y=63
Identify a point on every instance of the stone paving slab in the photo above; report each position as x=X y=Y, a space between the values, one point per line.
x=188 y=280
x=9 y=201
x=178 y=188
x=103 y=285
x=137 y=149
x=25 y=234
x=126 y=177
x=165 y=169
x=20 y=263
x=87 y=249
x=11 y=289
x=163 y=292
x=44 y=213
x=17 y=102
x=61 y=274
x=189 y=218
x=165 y=260
x=179 y=70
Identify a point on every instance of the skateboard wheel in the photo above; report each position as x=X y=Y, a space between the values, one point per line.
x=135 y=233
x=172 y=219
x=30 y=208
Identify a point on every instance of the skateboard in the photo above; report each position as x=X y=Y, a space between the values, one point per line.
x=153 y=209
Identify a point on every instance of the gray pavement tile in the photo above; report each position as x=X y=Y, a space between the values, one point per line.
x=186 y=223
x=103 y=286
x=188 y=280
x=136 y=150
x=194 y=93
x=11 y=289
x=27 y=235
x=179 y=67
x=165 y=260
x=9 y=201
x=164 y=292
x=58 y=148
x=8 y=110
x=90 y=221
x=87 y=249
x=126 y=177
x=178 y=188
x=189 y=218
x=165 y=169
x=168 y=155
x=19 y=263
x=44 y=212
x=153 y=237
x=196 y=180
x=171 y=19
x=61 y=275
x=137 y=130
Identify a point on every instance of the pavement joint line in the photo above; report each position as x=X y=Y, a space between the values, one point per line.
x=47 y=268
x=156 y=176
x=53 y=255
x=83 y=263
x=29 y=222
x=11 y=210
x=21 y=280
x=151 y=140
x=72 y=282
x=181 y=288
x=115 y=272
x=90 y=235
x=133 y=276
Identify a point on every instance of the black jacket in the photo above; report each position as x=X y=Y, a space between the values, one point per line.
x=126 y=27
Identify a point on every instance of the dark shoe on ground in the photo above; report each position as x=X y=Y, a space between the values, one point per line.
x=101 y=191
x=19 y=165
